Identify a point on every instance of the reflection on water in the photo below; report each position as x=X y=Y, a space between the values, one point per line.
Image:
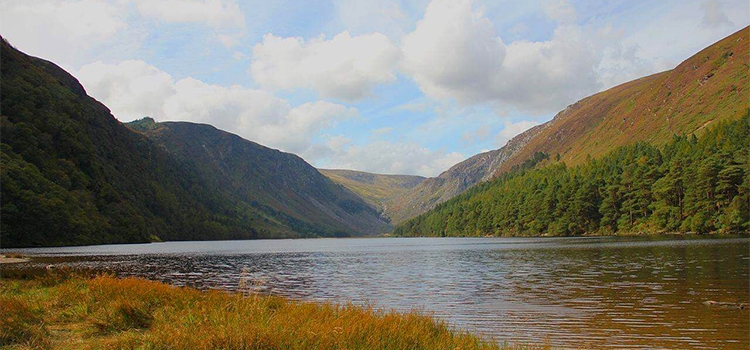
x=567 y=292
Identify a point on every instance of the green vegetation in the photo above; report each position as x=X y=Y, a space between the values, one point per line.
x=111 y=313
x=72 y=174
x=710 y=87
x=280 y=191
x=375 y=189
x=699 y=185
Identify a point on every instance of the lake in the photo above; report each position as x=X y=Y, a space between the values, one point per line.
x=586 y=292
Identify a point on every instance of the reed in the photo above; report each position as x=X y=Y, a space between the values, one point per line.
x=105 y=312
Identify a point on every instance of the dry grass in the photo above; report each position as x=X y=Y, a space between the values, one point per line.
x=710 y=86
x=13 y=255
x=111 y=313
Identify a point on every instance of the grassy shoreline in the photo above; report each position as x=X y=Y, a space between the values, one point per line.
x=12 y=258
x=105 y=312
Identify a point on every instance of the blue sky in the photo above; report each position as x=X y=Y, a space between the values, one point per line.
x=389 y=86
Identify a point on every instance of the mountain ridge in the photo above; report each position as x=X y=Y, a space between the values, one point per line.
x=577 y=132
x=707 y=87
x=455 y=180
x=688 y=184
x=279 y=180
x=376 y=189
x=72 y=174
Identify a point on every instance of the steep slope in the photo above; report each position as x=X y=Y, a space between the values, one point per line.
x=450 y=183
x=70 y=173
x=710 y=86
x=688 y=184
x=281 y=185
x=376 y=189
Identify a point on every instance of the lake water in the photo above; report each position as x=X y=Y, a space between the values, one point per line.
x=601 y=292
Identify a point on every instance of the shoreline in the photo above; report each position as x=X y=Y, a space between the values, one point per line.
x=4 y=259
x=112 y=312
x=594 y=234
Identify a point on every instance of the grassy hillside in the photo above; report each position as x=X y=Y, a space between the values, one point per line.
x=376 y=189
x=110 y=313
x=711 y=86
x=280 y=186
x=688 y=185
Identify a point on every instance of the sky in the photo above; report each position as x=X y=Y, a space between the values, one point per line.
x=389 y=86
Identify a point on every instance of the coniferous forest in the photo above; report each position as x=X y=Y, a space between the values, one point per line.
x=690 y=184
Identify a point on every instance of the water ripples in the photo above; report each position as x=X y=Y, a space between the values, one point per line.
x=566 y=292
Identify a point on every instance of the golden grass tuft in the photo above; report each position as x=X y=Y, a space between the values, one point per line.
x=112 y=313
x=20 y=324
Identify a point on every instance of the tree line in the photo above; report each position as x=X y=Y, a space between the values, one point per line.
x=689 y=184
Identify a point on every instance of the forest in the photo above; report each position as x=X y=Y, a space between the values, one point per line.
x=690 y=184
x=72 y=174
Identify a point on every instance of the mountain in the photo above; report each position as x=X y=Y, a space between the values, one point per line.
x=688 y=184
x=281 y=185
x=376 y=189
x=453 y=181
x=71 y=174
x=707 y=88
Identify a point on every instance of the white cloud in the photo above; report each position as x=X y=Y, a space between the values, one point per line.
x=510 y=130
x=344 y=67
x=561 y=11
x=545 y=76
x=75 y=32
x=684 y=30
x=61 y=31
x=390 y=157
x=454 y=53
x=367 y=16
x=133 y=89
x=224 y=16
x=215 y=13
x=713 y=14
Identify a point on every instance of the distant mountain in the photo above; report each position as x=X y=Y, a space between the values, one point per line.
x=709 y=87
x=281 y=185
x=71 y=174
x=376 y=189
x=453 y=181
